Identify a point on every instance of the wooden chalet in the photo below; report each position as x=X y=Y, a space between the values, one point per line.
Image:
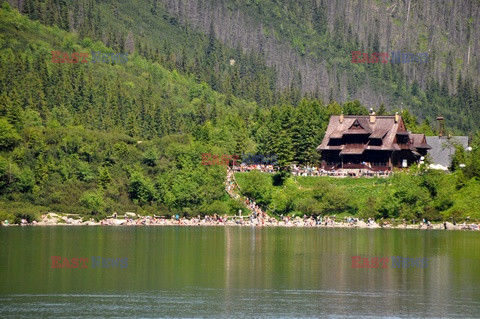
x=371 y=142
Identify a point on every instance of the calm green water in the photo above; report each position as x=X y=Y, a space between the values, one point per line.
x=237 y=272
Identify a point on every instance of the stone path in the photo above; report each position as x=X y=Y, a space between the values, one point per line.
x=232 y=188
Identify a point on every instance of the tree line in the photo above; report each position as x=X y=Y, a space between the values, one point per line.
x=101 y=138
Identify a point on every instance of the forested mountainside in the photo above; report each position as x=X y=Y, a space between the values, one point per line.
x=283 y=50
x=94 y=138
x=97 y=138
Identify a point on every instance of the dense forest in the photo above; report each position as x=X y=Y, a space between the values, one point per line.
x=98 y=138
x=285 y=50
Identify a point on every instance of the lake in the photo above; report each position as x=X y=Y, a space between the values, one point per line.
x=236 y=272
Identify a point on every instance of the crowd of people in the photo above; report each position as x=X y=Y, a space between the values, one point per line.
x=254 y=167
x=317 y=171
x=257 y=215
x=254 y=217
x=298 y=170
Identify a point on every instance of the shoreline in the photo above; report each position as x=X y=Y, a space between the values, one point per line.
x=53 y=219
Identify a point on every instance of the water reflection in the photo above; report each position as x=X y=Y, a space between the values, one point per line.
x=239 y=272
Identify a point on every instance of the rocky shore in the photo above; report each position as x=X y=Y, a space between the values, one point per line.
x=131 y=219
x=255 y=217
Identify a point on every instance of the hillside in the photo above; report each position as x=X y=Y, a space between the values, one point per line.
x=289 y=49
x=97 y=138
x=434 y=196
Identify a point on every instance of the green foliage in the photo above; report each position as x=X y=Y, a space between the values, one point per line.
x=150 y=157
x=104 y=177
x=8 y=135
x=140 y=189
x=218 y=207
x=259 y=187
x=183 y=48
x=97 y=138
x=354 y=108
x=4 y=216
x=468 y=161
x=94 y=203
x=331 y=200
x=14 y=211
x=466 y=202
x=431 y=195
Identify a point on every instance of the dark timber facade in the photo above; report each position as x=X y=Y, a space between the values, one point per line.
x=371 y=142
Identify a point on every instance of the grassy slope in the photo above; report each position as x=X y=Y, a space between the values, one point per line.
x=403 y=194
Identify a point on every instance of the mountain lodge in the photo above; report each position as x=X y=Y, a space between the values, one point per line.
x=371 y=142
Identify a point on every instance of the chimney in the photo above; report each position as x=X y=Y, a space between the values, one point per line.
x=441 y=126
x=341 y=118
x=372 y=116
x=397 y=117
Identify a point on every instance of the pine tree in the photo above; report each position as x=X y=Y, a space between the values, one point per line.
x=319 y=18
x=382 y=110
x=154 y=8
x=12 y=108
x=104 y=177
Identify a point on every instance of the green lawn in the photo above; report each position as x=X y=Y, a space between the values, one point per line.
x=432 y=195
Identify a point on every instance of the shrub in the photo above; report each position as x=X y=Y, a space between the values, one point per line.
x=29 y=216
x=8 y=135
x=93 y=202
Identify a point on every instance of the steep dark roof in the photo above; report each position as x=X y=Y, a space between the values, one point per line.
x=384 y=128
x=380 y=133
x=419 y=141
